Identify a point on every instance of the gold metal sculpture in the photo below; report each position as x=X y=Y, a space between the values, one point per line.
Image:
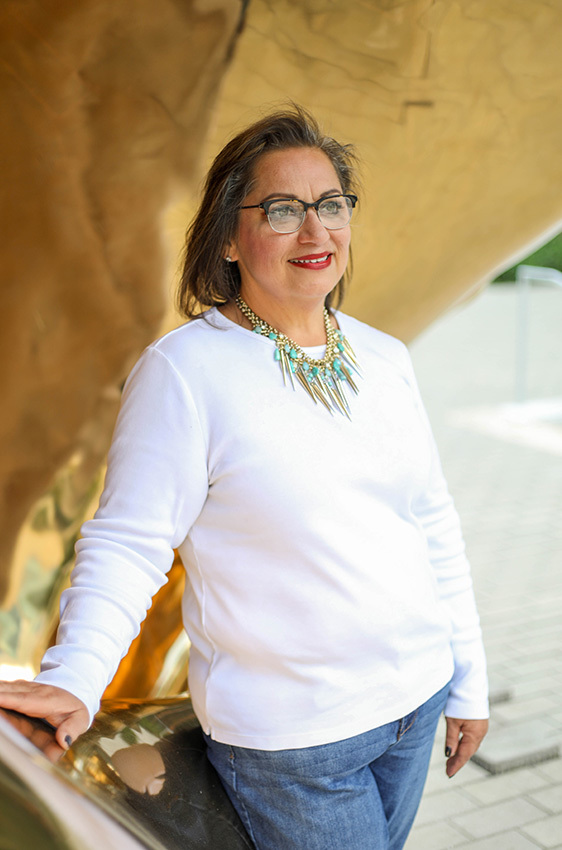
x=456 y=112
x=105 y=107
x=142 y=763
x=111 y=112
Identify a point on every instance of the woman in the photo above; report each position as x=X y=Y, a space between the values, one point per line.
x=282 y=447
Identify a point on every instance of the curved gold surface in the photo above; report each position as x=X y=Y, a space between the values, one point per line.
x=156 y=664
x=104 y=108
x=109 y=113
x=456 y=112
x=144 y=765
x=25 y=821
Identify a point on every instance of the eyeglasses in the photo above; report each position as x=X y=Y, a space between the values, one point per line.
x=286 y=215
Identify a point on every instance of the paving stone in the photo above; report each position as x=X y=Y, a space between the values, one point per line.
x=541 y=685
x=518 y=745
x=437 y=779
x=510 y=511
x=498 y=818
x=506 y=841
x=521 y=709
x=443 y=804
x=549 y=799
x=532 y=665
x=494 y=789
x=547 y=832
x=435 y=836
x=508 y=674
x=552 y=770
x=539 y=642
x=554 y=720
x=536 y=653
x=499 y=694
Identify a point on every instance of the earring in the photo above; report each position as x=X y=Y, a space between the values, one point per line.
x=228 y=259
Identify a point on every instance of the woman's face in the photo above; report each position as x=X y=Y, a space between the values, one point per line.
x=269 y=264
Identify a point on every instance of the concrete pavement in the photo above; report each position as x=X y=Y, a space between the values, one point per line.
x=504 y=468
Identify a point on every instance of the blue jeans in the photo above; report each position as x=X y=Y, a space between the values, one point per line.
x=358 y=794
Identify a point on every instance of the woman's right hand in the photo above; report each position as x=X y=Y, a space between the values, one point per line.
x=61 y=709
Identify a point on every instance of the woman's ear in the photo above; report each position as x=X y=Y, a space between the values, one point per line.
x=230 y=254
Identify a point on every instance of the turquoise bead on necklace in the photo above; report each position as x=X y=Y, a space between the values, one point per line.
x=326 y=379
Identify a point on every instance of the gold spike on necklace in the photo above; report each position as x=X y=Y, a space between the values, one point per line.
x=325 y=380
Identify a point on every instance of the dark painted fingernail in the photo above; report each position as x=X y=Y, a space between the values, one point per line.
x=448 y=752
x=68 y=741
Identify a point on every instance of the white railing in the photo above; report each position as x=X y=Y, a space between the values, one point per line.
x=525 y=277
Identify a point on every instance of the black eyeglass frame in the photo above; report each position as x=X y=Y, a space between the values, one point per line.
x=265 y=205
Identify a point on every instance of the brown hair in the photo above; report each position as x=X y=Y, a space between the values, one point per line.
x=207 y=280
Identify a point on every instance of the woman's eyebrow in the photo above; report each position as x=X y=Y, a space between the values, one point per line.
x=294 y=197
x=279 y=195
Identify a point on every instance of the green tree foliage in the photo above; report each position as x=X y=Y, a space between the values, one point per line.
x=549 y=256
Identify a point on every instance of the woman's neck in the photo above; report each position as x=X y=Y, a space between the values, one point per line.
x=304 y=326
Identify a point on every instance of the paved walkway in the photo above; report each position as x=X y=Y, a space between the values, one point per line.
x=506 y=477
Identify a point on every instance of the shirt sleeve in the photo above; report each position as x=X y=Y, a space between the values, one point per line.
x=155 y=487
x=468 y=697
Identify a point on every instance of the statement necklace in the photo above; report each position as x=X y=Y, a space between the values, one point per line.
x=325 y=379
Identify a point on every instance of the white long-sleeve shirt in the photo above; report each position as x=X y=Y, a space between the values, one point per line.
x=328 y=589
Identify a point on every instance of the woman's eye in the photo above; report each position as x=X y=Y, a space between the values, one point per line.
x=283 y=211
x=332 y=207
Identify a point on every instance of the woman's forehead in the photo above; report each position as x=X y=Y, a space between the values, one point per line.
x=287 y=171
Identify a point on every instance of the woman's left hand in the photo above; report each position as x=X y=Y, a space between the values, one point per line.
x=462 y=741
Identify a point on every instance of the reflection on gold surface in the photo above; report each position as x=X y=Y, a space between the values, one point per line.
x=41 y=567
x=110 y=112
x=156 y=664
x=144 y=763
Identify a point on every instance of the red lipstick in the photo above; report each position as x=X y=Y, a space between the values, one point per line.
x=313 y=261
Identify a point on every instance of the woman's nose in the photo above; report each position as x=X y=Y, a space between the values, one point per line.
x=312 y=229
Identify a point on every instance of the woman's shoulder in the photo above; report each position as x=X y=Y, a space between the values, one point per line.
x=181 y=351
x=377 y=342
x=190 y=338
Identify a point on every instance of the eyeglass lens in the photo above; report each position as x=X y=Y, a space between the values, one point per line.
x=287 y=216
